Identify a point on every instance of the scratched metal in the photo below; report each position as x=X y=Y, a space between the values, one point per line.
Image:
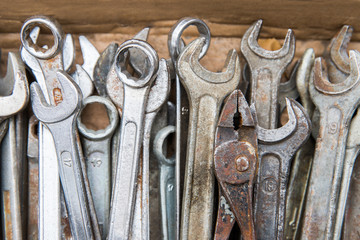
x=235 y=159
x=301 y=166
x=266 y=69
x=206 y=91
x=336 y=104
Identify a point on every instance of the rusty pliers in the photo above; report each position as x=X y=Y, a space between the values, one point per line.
x=235 y=159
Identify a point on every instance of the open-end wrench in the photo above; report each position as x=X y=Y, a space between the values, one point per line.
x=288 y=89
x=136 y=92
x=96 y=145
x=33 y=179
x=175 y=46
x=266 y=68
x=235 y=159
x=60 y=120
x=206 y=91
x=301 y=164
x=336 y=104
x=276 y=149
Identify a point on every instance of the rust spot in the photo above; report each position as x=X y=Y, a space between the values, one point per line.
x=7 y=214
x=57 y=96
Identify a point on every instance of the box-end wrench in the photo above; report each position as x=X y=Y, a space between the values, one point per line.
x=136 y=92
x=33 y=178
x=96 y=145
x=235 y=161
x=301 y=164
x=276 y=149
x=206 y=91
x=61 y=120
x=175 y=46
x=266 y=69
x=336 y=103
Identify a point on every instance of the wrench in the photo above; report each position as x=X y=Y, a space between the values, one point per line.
x=288 y=88
x=276 y=149
x=266 y=68
x=301 y=166
x=33 y=178
x=175 y=46
x=206 y=91
x=235 y=158
x=336 y=104
x=60 y=120
x=96 y=145
x=136 y=92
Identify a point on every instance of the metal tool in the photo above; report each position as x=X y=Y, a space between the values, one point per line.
x=206 y=92
x=235 y=159
x=276 y=149
x=288 y=89
x=136 y=92
x=301 y=164
x=175 y=46
x=96 y=145
x=336 y=103
x=266 y=68
x=60 y=120
x=33 y=179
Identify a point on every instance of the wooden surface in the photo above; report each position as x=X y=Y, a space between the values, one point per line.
x=310 y=19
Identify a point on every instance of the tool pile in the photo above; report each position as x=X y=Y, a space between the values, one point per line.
x=233 y=160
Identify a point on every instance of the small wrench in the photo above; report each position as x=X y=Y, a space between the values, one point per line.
x=235 y=159
x=266 y=68
x=136 y=92
x=60 y=120
x=276 y=149
x=336 y=104
x=206 y=91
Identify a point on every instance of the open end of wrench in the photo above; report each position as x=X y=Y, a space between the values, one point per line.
x=160 y=90
x=113 y=118
x=251 y=38
x=321 y=79
x=84 y=81
x=191 y=54
x=33 y=48
x=71 y=101
x=90 y=55
x=19 y=93
x=152 y=63
x=279 y=134
x=338 y=48
x=158 y=146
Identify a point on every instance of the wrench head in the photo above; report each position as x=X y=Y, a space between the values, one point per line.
x=196 y=78
x=338 y=49
x=321 y=80
x=288 y=88
x=84 y=81
x=16 y=94
x=249 y=44
x=71 y=100
x=160 y=90
x=90 y=55
x=158 y=146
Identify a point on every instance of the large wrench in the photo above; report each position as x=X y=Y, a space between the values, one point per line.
x=336 y=103
x=266 y=68
x=135 y=98
x=276 y=149
x=206 y=92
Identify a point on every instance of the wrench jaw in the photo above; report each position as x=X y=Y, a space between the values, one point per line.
x=84 y=81
x=338 y=50
x=19 y=94
x=235 y=163
x=70 y=103
x=321 y=80
x=250 y=42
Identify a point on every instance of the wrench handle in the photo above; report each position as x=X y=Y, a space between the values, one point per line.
x=72 y=178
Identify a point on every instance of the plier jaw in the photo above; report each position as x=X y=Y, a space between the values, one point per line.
x=235 y=161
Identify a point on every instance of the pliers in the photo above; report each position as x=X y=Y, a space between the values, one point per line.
x=236 y=160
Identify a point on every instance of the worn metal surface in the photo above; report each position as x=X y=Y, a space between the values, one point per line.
x=175 y=47
x=97 y=152
x=336 y=104
x=206 y=91
x=288 y=88
x=60 y=120
x=301 y=164
x=136 y=92
x=235 y=163
x=266 y=69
